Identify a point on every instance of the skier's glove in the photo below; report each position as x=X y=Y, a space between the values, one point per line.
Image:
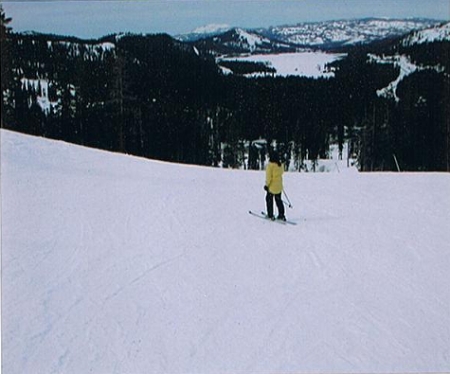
x=266 y=188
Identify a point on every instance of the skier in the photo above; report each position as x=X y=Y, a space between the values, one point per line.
x=274 y=186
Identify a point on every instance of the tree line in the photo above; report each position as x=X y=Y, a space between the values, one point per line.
x=153 y=96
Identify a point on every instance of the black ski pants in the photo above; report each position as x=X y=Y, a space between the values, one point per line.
x=278 y=201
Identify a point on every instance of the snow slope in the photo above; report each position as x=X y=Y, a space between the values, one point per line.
x=114 y=264
x=437 y=33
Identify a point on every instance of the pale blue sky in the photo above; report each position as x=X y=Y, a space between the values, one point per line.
x=97 y=18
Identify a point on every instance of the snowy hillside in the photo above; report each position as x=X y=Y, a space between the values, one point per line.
x=250 y=40
x=434 y=34
x=240 y=41
x=204 y=31
x=326 y=34
x=347 y=32
x=114 y=264
x=240 y=38
x=404 y=63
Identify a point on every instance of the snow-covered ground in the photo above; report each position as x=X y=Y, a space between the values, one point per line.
x=304 y=64
x=114 y=264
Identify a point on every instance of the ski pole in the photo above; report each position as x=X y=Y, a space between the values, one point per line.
x=287 y=198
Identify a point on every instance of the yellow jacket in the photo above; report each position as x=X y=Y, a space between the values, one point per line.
x=274 y=178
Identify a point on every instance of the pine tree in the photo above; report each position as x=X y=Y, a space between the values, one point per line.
x=5 y=57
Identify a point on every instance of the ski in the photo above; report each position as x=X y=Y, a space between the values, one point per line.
x=263 y=215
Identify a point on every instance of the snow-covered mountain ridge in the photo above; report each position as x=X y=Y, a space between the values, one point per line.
x=87 y=49
x=240 y=41
x=115 y=264
x=205 y=31
x=328 y=34
x=347 y=32
x=433 y=34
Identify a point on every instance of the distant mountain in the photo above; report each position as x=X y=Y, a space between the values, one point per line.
x=240 y=41
x=317 y=35
x=435 y=34
x=203 y=32
x=346 y=32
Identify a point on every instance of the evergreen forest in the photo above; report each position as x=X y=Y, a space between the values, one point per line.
x=156 y=97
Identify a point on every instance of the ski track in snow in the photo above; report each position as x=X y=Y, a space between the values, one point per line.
x=117 y=264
